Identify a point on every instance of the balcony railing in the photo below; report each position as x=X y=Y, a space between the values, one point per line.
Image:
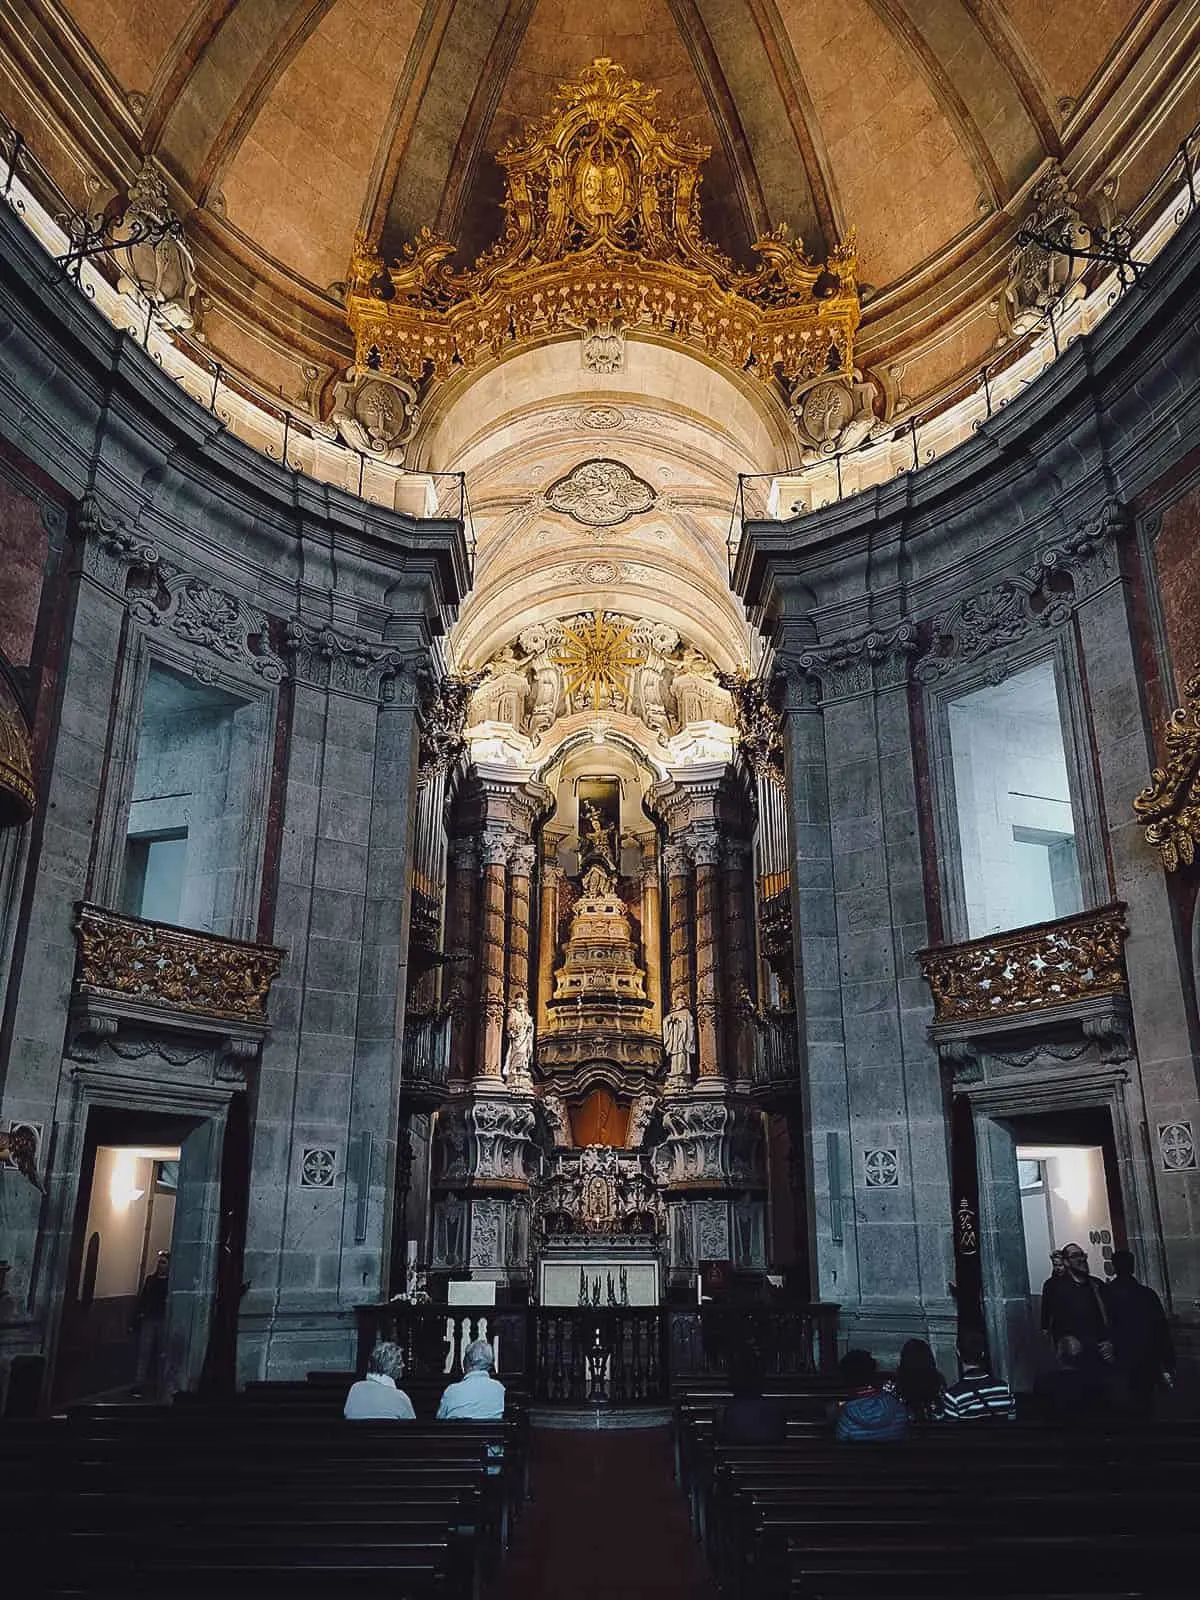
x=1028 y=970
x=151 y=964
x=776 y=1052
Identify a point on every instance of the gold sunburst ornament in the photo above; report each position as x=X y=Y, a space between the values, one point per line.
x=596 y=658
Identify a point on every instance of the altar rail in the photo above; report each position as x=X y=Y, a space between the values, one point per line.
x=620 y=1354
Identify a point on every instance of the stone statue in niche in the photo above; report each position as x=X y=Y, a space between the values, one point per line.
x=679 y=1038
x=375 y=415
x=597 y=882
x=519 y=1058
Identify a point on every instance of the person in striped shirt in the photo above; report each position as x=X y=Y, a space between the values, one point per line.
x=977 y=1396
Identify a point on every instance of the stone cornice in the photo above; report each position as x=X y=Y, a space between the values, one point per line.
x=1015 y=487
x=110 y=419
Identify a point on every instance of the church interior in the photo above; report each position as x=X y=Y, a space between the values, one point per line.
x=599 y=756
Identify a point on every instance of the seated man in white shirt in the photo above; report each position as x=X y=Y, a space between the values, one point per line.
x=478 y=1397
x=376 y=1398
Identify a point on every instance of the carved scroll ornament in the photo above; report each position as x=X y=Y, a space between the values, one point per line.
x=1169 y=810
x=602 y=235
x=17 y=794
x=1011 y=974
x=126 y=958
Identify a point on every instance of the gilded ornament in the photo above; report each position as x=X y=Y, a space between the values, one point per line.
x=202 y=974
x=602 y=235
x=597 y=658
x=17 y=794
x=1029 y=969
x=1169 y=810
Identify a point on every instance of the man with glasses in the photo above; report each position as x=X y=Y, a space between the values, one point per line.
x=1074 y=1314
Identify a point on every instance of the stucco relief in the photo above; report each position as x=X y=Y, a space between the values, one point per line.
x=600 y=494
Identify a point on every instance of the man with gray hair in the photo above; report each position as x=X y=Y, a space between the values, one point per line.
x=377 y=1398
x=477 y=1397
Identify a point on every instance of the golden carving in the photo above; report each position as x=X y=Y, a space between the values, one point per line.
x=1169 y=810
x=125 y=958
x=1029 y=969
x=17 y=794
x=602 y=230
x=597 y=658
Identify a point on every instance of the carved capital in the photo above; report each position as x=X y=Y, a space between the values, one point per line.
x=522 y=859
x=494 y=847
x=676 y=858
x=342 y=664
x=865 y=662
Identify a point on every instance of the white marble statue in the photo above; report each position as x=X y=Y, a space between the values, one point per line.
x=679 y=1037
x=520 y=1042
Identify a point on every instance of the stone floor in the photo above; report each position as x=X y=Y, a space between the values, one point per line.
x=607 y=1522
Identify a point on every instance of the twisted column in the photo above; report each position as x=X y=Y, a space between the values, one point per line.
x=738 y=960
x=461 y=944
x=652 y=932
x=494 y=855
x=552 y=875
x=520 y=891
x=706 y=853
x=679 y=924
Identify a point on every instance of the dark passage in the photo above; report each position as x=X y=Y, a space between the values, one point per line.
x=607 y=1520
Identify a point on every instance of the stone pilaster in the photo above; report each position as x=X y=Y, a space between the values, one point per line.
x=461 y=944
x=520 y=891
x=705 y=850
x=738 y=960
x=652 y=932
x=552 y=876
x=494 y=857
x=678 y=865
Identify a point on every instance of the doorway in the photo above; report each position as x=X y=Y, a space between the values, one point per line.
x=122 y=1310
x=1046 y=1179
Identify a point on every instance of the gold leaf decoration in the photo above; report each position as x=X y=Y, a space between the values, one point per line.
x=1169 y=810
x=596 y=658
x=602 y=230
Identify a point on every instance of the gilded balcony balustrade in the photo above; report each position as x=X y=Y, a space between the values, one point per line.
x=131 y=971
x=1050 y=966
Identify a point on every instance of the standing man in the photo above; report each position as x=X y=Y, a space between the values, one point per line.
x=1141 y=1337
x=149 y=1320
x=1074 y=1314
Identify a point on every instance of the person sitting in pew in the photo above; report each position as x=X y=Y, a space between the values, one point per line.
x=377 y=1397
x=477 y=1397
x=751 y=1417
x=918 y=1382
x=977 y=1396
x=872 y=1413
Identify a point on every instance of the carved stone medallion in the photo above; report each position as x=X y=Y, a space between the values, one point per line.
x=600 y=494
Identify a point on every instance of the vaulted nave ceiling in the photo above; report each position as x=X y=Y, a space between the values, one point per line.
x=288 y=125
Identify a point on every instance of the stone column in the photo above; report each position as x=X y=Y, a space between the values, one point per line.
x=706 y=853
x=520 y=890
x=738 y=959
x=552 y=875
x=462 y=910
x=652 y=932
x=678 y=864
x=491 y=967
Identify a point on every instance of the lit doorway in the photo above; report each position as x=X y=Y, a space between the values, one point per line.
x=1064 y=1200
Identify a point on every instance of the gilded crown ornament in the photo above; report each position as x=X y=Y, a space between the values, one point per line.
x=602 y=232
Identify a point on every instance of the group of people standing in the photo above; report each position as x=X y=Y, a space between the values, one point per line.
x=1111 y=1337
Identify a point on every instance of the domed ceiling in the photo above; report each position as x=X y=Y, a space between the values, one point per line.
x=289 y=125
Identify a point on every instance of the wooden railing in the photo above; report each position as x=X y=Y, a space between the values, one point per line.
x=623 y=1355
x=425 y=1062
